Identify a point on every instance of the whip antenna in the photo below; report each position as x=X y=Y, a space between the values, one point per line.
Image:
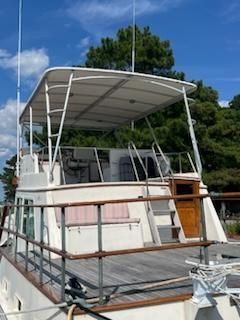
x=133 y=43
x=19 y=82
x=133 y=34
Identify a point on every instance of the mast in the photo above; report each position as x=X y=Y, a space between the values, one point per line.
x=133 y=34
x=133 y=43
x=19 y=83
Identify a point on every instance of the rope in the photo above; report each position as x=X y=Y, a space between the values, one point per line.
x=142 y=288
x=70 y=312
x=211 y=274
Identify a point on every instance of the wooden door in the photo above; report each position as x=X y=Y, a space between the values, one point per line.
x=188 y=209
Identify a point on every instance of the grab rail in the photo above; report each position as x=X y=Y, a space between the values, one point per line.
x=100 y=253
x=131 y=144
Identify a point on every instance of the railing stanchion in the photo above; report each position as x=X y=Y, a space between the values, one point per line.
x=9 y=224
x=3 y=218
x=17 y=230
x=41 y=241
x=100 y=259
x=63 y=264
x=204 y=232
x=26 y=242
x=26 y=255
x=180 y=162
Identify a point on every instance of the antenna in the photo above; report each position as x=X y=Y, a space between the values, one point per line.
x=19 y=82
x=133 y=43
x=133 y=34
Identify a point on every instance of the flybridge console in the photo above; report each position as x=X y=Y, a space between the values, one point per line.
x=88 y=165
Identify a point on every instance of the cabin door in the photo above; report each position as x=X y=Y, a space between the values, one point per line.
x=188 y=209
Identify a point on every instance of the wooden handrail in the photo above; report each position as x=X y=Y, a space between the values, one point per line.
x=103 y=254
x=225 y=195
x=102 y=202
x=140 y=250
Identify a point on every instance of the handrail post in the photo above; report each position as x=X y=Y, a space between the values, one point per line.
x=98 y=165
x=26 y=241
x=132 y=160
x=17 y=223
x=191 y=162
x=204 y=232
x=157 y=162
x=9 y=223
x=180 y=162
x=41 y=248
x=63 y=264
x=4 y=215
x=100 y=259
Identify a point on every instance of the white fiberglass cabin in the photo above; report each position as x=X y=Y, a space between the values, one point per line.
x=104 y=101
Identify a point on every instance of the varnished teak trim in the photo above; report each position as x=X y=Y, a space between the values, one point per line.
x=102 y=254
x=112 y=201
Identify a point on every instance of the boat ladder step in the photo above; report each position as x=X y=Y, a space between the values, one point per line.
x=169 y=233
x=172 y=227
x=160 y=212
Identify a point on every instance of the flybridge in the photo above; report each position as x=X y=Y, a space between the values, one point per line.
x=102 y=100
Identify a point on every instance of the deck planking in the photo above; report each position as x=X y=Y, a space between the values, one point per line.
x=126 y=274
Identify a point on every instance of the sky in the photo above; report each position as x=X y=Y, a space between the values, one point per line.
x=204 y=36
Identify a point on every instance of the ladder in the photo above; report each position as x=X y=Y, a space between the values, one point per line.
x=164 y=217
x=150 y=215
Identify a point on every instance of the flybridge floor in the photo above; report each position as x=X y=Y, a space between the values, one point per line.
x=132 y=278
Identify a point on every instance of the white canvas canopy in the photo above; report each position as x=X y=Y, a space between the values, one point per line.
x=100 y=99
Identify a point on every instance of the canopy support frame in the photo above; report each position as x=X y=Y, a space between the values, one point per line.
x=53 y=156
x=192 y=135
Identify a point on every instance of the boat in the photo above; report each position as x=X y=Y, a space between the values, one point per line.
x=104 y=232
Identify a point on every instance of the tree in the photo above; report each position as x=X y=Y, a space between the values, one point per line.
x=235 y=103
x=7 y=178
x=153 y=56
x=217 y=130
x=204 y=93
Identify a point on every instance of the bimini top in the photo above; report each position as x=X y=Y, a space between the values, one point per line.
x=100 y=99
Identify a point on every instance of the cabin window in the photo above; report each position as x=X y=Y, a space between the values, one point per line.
x=5 y=287
x=18 y=218
x=28 y=219
x=184 y=189
x=18 y=303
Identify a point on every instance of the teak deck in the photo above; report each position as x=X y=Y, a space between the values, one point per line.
x=125 y=276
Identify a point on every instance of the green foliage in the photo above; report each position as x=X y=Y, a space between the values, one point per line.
x=76 y=137
x=235 y=103
x=7 y=178
x=204 y=93
x=233 y=228
x=153 y=56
